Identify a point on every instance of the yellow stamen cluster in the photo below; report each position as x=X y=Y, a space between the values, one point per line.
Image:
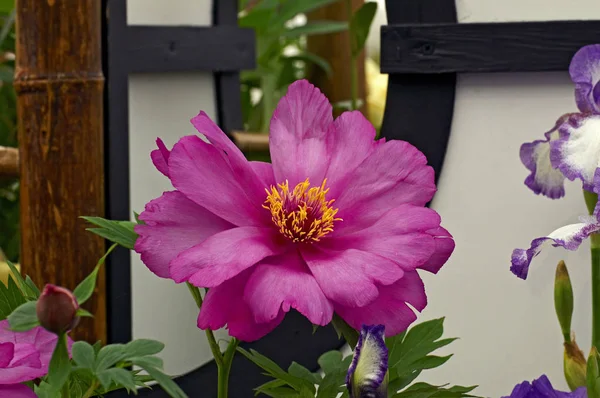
x=304 y=214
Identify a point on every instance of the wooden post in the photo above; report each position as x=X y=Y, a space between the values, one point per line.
x=59 y=84
x=335 y=48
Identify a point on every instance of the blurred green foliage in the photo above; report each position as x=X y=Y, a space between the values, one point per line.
x=282 y=58
x=9 y=190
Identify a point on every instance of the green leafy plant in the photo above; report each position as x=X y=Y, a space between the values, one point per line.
x=94 y=370
x=409 y=355
x=282 y=56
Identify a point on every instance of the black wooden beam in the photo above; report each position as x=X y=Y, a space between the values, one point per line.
x=484 y=47
x=419 y=107
x=189 y=48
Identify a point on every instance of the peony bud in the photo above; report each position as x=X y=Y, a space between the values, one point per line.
x=574 y=365
x=563 y=299
x=57 y=309
x=367 y=376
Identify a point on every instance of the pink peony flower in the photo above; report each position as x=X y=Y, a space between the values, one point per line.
x=24 y=356
x=336 y=223
x=16 y=391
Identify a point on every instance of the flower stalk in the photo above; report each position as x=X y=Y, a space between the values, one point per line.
x=223 y=361
x=591 y=199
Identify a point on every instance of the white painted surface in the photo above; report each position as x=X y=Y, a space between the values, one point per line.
x=161 y=105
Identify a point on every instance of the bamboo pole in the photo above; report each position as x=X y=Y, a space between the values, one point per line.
x=335 y=48
x=59 y=84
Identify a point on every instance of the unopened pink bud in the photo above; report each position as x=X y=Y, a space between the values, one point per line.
x=57 y=309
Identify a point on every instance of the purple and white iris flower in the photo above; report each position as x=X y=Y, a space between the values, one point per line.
x=367 y=375
x=570 y=150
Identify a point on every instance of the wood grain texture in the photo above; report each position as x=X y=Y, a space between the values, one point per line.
x=419 y=108
x=59 y=84
x=189 y=48
x=484 y=47
x=335 y=48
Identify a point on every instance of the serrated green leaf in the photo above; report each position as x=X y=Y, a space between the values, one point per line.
x=24 y=317
x=83 y=354
x=165 y=382
x=360 y=26
x=316 y=28
x=108 y=356
x=297 y=370
x=330 y=361
x=10 y=298
x=120 y=232
x=120 y=377
x=86 y=287
x=60 y=364
x=143 y=347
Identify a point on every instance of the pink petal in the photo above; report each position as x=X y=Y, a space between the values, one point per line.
x=7 y=351
x=298 y=134
x=350 y=140
x=160 y=157
x=283 y=283
x=349 y=277
x=226 y=254
x=207 y=175
x=395 y=173
x=16 y=391
x=389 y=309
x=26 y=355
x=173 y=224
x=264 y=171
x=224 y=305
x=444 y=246
x=401 y=235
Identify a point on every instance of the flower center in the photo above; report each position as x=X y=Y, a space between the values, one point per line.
x=304 y=214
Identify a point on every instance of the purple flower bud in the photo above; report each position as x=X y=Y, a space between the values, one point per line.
x=57 y=309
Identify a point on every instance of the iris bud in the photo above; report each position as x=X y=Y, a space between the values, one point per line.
x=57 y=309
x=563 y=299
x=574 y=365
x=367 y=376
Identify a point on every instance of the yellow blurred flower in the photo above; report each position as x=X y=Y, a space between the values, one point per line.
x=376 y=92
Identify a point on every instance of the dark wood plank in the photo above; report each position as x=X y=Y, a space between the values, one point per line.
x=60 y=98
x=484 y=47
x=116 y=121
x=419 y=108
x=189 y=48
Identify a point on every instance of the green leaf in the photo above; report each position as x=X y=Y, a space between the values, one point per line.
x=143 y=347
x=60 y=365
x=35 y=291
x=10 y=298
x=108 y=356
x=301 y=372
x=85 y=289
x=313 y=59
x=330 y=361
x=424 y=390
x=165 y=382
x=84 y=313
x=45 y=390
x=290 y=8
x=360 y=25
x=83 y=354
x=333 y=383
x=6 y=6
x=151 y=361
x=316 y=28
x=120 y=232
x=118 y=376
x=24 y=317
x=25 y=290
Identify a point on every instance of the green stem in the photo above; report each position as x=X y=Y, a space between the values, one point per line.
x=90 y=392
x=353 y=68
x=223 y=361
x=225 y=370
x=595 y=239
